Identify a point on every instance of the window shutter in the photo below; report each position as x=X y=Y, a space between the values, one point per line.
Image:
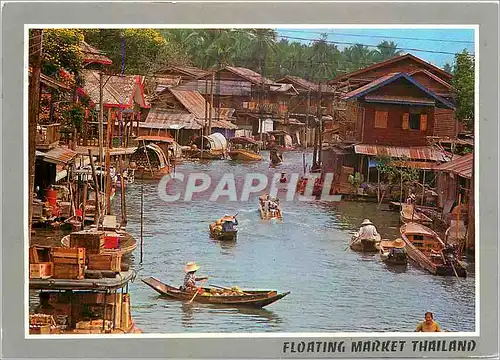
x=381 y=119
x=423 y=122
x=406 y=121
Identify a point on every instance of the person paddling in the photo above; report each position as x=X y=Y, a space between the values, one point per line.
x=367 y=230
x=190 y=279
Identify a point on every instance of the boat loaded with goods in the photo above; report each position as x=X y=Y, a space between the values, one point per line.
x=82 y=288
x=232 y=297
x=270 y=208
x=224 y=228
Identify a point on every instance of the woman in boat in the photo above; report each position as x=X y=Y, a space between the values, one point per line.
x=428 y=325
x=283 y=178
x=367 y=230
x=190 y=279
x=229 y=223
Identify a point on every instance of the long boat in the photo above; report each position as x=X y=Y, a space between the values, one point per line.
x=393 y=252
x=127 y=243
x=365 y=245
x=149 y=162
x=427 y=249
x=216 y=231
x=244 y=149
x=247 y=298
x=409 y=213
x=268 y=215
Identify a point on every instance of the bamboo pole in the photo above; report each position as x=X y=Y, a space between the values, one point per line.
x=423 y=190
x=123 y=209
x=142 y=222
x=96 y=185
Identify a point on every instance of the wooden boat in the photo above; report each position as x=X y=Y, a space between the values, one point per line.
x=268 y=215
x=425 y=247
x=216 y=231
x=393 y=252
x=126 y=245
x=150 y=161
x=75 y=306
x=244 y=149
x=248 y=298
x=409 y=213
x=365 y=245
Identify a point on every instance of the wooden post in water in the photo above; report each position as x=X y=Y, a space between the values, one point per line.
x=142 y=221
x=85 y=189
x=423 y=190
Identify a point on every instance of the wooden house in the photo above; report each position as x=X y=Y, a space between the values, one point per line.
x=304 y=106
x=124 y=102
x=426 y=74
x=183 y=114
x=184 y=73
x=391 y=116
x=253 y=96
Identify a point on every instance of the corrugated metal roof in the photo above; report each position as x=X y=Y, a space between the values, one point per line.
x=221 y=87
x=193 y=101
x=57 y=155
x=188 y=70
x=426 y=153
x=159 y=118
x=461 y=167
x=250 y=75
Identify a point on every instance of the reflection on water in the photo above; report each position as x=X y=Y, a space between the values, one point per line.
x=332 y=288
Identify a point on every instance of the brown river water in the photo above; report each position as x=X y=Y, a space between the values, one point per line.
x=333 y=289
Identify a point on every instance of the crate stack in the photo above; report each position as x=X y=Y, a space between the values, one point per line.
x=69 y=263
x=99 y=257
x=43 y=324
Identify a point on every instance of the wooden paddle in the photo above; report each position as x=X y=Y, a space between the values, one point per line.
x=197 y=291
x=225 y=288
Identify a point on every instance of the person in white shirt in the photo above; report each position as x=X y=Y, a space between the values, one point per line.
x=367 y=230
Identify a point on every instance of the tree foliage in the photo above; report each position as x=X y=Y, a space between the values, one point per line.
x=388 y=167
x=263 y=51
x=62 y=49
x=135 y=51
x=463 y=87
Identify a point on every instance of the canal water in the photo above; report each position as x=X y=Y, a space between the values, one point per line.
x=333 y=289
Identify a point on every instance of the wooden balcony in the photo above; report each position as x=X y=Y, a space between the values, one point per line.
x=47 y=136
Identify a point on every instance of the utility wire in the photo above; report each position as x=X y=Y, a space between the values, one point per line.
x=332 y=32
x=366 y=45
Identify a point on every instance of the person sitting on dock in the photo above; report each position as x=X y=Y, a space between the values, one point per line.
x=367 y=230
x=190 y=279
x=283 y=178
x=428 y=325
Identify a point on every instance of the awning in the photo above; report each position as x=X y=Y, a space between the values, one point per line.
x=425 y=153
x=57 y=155
x=461 y=166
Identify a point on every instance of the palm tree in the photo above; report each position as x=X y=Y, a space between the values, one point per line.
x=386 y=50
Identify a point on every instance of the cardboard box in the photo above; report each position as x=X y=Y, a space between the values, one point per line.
x=41 y=270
